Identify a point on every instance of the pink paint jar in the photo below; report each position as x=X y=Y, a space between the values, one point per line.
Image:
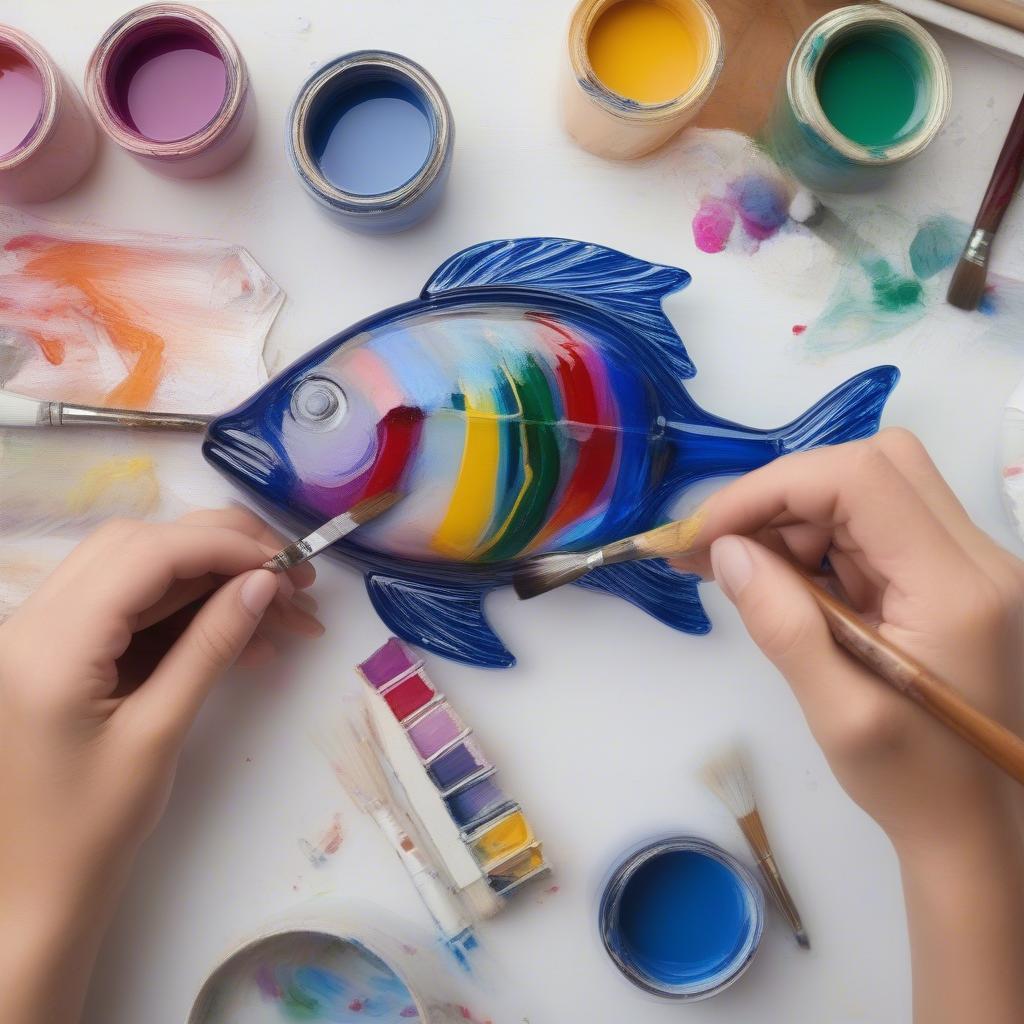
x=47 y=139
x=168 y=84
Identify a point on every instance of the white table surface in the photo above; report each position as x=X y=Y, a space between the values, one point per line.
x=599 y=728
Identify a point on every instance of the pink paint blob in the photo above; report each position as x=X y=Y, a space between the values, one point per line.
x=169 y=85
x=21 y=99
x=799 y=328
x=713 y=224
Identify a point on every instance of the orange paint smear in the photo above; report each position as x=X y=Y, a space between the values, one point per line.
x=85 y=267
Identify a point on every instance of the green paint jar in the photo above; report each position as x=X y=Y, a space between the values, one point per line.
x=866 y=89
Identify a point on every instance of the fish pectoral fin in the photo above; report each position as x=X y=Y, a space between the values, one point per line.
x=628 y=289
x=446 y=619
x=654 y=586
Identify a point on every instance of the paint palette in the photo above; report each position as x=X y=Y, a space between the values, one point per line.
x=451 y=786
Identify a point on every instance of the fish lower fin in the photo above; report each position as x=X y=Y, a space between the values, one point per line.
x=629 y=289
x=656 y=588
x=848 y=413
x=446 y=620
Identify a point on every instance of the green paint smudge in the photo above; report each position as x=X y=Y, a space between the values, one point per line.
x=892 y=291
x=937 y=245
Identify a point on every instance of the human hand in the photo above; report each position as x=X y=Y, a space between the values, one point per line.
x=906 y=555
x=102 y=672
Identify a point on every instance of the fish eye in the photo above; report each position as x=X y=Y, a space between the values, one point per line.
x=318 y=403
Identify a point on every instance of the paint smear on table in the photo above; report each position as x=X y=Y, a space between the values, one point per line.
x=108 y=317
x=325 y=845
x=882 y=274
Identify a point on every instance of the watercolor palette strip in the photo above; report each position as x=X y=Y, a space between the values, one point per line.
x=491 y=825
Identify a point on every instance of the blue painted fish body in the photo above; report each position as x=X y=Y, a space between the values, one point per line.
x=531 y=400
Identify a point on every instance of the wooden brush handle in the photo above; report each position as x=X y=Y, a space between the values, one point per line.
x=1004 y=179
x=1001 y=746
x=668 y=541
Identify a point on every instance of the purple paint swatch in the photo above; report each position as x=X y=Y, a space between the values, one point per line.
x=436 y=729
x=21 y=99
x=168 y=85
x=476 y=803
x=462 y=761
x=388 y=663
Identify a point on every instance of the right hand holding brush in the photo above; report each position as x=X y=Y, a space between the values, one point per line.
x=908 y=557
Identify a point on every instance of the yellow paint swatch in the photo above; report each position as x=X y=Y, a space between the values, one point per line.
x=502 y=839
x=644 y=51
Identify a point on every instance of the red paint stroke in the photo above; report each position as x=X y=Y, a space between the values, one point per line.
x=398 y=434
x=85 y=268
x=582 y=401
x=1013 y=471
x=356 y=1005
x=467 y=1014
x=799 y=328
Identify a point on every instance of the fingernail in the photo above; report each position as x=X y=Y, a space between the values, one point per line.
x=258 y=590
x=732 y=565
x=285 y=587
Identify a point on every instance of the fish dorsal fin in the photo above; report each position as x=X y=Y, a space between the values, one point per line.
x=447 y=620
x=629 y=289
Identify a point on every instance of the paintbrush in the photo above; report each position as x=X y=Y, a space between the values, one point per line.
x=20 y=411
x=356 y=759
x=333 y=530
x=727 y=777
x=904 y=672
x=968 y=283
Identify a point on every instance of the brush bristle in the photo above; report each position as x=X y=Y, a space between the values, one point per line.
x=370 y=508
x=548 y=572
x=727 y=777
x=354 y=756
x=967 y=285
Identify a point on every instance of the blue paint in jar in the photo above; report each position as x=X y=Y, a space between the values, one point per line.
x=371 y=136
x=681 y=918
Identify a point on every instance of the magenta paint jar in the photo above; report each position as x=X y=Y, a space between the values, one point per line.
x=47 y=138
x=168 y=84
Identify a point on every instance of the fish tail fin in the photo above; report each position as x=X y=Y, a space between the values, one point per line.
x=850 y=412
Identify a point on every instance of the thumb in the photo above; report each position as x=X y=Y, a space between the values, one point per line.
x=784 y=620
x=208 y=646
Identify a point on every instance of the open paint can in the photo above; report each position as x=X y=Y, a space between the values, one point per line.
x=328 y=964
x=638 y=71
x=866 y=90
x=371 y=135
x=168 y=84
x=681 y=918
x=47 y=138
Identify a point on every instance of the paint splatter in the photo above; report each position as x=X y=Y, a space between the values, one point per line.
x=328 y=843
x=799 y=328
x=759 y=202
x=937 y=245
x=762 y=204
x=713 y=224
x=893 y=292
x=989 y=303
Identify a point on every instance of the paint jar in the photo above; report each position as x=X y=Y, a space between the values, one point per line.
x=866 y=89
x=47 y=138
x=325 y=961
x=168 y=84
x=681 y=918
x=638 y=71
x=371 y=135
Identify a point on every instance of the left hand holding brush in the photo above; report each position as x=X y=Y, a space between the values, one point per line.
x=102 y=671
x=907 y=557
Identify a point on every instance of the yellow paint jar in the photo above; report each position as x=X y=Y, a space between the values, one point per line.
x=638 y=71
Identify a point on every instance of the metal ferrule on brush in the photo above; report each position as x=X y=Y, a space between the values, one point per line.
x=977 y=248
x=65 y=414
x=618 y=551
